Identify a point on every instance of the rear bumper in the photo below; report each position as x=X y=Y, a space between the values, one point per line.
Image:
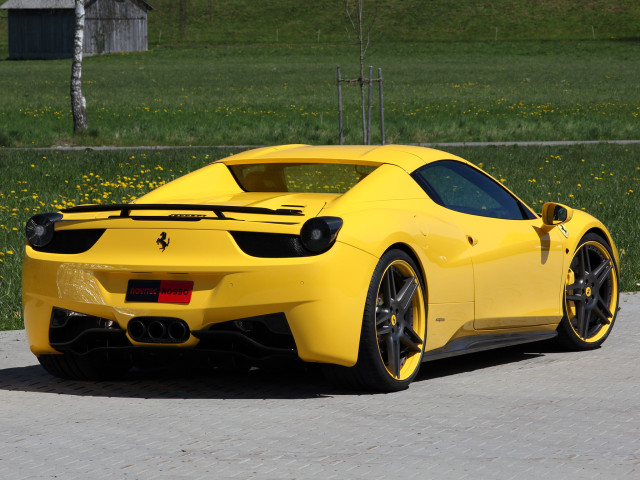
x=322 y=297
x=252 y=341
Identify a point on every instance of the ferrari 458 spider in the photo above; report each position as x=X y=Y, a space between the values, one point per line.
x=369 y=260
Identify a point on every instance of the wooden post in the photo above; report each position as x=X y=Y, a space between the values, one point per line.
x=363 y=109
x=381 y=107
x=340 y=107
x=370 y=80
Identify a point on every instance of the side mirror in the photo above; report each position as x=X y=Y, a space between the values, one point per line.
x=556 y=213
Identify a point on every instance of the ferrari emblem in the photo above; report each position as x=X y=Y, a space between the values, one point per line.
x=564 y=231
x=588 y=292
x=163 y=241
x=393 y=320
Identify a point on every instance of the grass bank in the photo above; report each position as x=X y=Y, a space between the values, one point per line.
x=208 y=22
x=239 y=95
x=292 y=21
x=602 y=179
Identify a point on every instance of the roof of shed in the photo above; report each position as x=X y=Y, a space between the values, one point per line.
x=38 y=4
x=50 y=4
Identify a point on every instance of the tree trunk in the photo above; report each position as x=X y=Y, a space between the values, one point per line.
x=78 y=102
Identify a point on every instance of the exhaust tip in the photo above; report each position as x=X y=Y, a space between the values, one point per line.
x=158 y=330
x=137 y=329
x=178 y=331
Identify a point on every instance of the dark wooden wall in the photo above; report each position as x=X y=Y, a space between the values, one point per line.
x=110 y=26
x=41 y=34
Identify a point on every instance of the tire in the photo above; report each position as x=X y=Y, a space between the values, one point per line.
x=393 y=331
x=591 y=295
x=74 y=367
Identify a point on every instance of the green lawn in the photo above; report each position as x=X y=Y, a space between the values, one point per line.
x=603 y=179
x=292 y=21
x=208 y=22
x=247 y=95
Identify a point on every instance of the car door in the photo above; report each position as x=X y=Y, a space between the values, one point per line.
x=517 y=261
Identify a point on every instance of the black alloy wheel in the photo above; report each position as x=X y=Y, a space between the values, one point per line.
x=591 y=295
x=393 y=331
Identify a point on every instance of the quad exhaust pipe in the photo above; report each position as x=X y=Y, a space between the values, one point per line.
x=158 y=330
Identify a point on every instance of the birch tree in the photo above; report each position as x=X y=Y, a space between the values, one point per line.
x=78 y=102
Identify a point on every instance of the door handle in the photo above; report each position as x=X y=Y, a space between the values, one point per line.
x=472 y=240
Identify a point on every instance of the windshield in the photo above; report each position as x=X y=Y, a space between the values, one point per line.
x=299 y=177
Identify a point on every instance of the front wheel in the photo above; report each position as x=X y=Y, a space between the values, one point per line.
x=393 y=331
x=591 y=295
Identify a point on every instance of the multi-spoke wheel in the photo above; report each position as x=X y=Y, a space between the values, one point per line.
x=591 y=295
x=393 y=327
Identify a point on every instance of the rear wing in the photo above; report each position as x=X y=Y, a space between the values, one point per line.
x=219 y=210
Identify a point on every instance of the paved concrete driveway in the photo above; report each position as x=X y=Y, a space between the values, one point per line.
x=524 y=413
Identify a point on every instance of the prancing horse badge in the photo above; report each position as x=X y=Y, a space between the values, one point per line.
x=163 y=241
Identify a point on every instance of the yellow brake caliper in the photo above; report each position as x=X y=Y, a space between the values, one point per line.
x=571 y=306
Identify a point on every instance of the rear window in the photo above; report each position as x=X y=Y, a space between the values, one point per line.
x=299 y=177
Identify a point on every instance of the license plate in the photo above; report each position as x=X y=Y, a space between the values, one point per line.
x=159 y=291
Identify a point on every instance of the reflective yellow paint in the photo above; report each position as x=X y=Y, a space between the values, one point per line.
x=517 y=269
x=227 y=285
x=480 y=274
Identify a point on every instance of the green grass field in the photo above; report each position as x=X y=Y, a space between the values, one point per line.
x=209 y=22
x=603 y=179
x=292 y=21
x=247 y=95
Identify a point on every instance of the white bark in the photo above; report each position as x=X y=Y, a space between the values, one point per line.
x=78 y=102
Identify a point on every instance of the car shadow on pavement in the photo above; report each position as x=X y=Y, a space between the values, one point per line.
x=294 y=383
x=476 y=361
x=172 y=383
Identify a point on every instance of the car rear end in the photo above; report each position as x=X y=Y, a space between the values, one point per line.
x=222 y=283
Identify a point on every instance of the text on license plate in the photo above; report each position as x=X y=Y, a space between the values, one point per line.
x=159 y=291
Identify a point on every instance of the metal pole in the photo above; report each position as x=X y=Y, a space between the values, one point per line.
x=369 y=106
x=340 y=107
x=381 y=106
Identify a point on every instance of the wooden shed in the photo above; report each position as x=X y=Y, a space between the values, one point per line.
x=44 y=29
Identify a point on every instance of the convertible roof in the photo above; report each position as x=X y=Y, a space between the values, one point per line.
x=407 y=157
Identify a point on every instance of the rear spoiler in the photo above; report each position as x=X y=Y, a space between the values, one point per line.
x=126 y=208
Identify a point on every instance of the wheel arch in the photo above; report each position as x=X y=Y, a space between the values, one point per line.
x=606 y=236
x=599 y=231
x=586 y=224
x=414 y=256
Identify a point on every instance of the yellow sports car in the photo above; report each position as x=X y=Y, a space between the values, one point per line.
x=369 y=260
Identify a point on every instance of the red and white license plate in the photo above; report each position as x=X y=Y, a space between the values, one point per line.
x=159 y=291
